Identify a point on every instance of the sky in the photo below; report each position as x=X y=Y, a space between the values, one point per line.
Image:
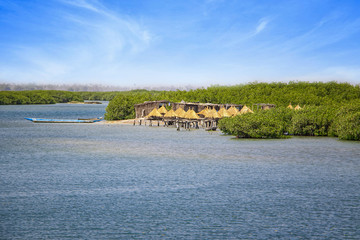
x=136 y=43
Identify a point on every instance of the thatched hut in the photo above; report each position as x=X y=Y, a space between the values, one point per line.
x=224 y=113
x=290 y=106
x=154 y=114
x=162 y=110
x=203 y=112
x=297 y=107
x=191 y=114
x=244 y=110
x=213 y=114
x=180 y=112
x=233 y=111
x=170 y=114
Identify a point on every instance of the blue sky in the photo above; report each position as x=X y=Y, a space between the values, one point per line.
x=177 y=43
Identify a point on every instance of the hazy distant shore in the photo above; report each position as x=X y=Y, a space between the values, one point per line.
x=90 y=87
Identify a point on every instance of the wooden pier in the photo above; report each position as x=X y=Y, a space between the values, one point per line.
x=179 y=124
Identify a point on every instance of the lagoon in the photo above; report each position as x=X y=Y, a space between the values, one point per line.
x=108 y=181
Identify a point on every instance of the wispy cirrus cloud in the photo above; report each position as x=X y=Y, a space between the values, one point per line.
x=263 y=22
x=82 y=4
x=109 y=24
x=95 y=43
x=328 y=30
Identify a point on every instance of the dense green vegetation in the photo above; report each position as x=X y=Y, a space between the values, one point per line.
x=346 y=123
x=331 y=109
x=260 y=124
x=37 y=97
x=343 y=122
x=122 y=106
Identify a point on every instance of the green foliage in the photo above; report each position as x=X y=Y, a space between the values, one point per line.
x=312 y=121
x=122 y=106
x=347 y=122
x=37 y=97
x=343 y=122
x=260 y=124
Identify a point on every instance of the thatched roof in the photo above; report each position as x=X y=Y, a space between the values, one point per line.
x=162 y=110
x=245 y=109
x=154 y=114
x=170 y=114
x=180 y=112
x=213 y=114
x=233 y=110
x=290 y=106
x=297 y=107
x=191 y=114
x=204 y=112
x=224 y=113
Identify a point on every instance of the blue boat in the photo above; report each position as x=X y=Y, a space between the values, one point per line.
x=81 y=120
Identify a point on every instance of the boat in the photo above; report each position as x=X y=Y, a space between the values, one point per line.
x=45 y=120
x=90 y=118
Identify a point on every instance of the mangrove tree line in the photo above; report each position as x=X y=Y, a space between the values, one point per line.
x=38 y=97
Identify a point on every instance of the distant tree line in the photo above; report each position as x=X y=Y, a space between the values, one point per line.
x=82 y=87
x=38 y=97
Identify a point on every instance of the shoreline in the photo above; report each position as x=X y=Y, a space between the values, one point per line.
x=127 y=122
x=134 y=121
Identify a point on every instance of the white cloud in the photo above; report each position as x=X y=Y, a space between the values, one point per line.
x=261 y=26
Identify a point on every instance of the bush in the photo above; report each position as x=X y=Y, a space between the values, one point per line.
x=121 y=107
x=312 y=121
x=347 y=122
x=271 y=123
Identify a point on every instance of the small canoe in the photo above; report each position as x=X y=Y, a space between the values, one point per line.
x=44 y=120
x=100 y=118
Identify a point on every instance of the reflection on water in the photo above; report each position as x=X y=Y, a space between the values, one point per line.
x=104 y=181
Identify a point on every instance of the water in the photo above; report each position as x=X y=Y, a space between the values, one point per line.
x=101 y=181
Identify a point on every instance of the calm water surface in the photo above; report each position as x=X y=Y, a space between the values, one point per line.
x=100 y=181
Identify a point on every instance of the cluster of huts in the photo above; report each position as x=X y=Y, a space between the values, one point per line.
x=188 y=114
x=296 y=108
